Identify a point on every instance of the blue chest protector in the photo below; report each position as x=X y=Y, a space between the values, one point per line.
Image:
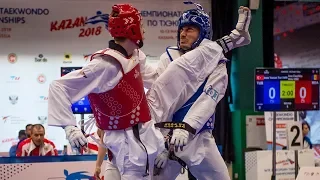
x=179 y=115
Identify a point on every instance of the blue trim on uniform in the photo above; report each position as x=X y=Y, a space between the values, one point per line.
x=167 y=50
x=179 y=115
x=223 y=61
x=41 y=159
x=307 y=139
x=220 y=148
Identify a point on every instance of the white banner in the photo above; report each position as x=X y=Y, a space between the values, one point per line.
x=256 y=131
x=281 y=134
x=259 y=164
x=309 y=173
x=39 y=37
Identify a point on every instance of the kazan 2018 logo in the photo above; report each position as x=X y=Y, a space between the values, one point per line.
x=82 y=21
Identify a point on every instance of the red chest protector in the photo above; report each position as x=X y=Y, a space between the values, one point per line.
x=125 y=105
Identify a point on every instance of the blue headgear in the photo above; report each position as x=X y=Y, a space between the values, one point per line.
x=198 y=18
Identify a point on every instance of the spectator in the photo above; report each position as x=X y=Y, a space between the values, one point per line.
x=37 y=145
x=305 y=131
x=27 y=135
x=13 y=149
x=28 y=130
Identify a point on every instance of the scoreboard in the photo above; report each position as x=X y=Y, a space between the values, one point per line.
x=286 y=89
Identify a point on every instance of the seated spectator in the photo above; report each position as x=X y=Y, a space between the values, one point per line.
x=37 y=145
x=13 y=149
x=27 y=133
x=28 y=130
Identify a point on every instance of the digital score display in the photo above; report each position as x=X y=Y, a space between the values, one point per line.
x=286 y=89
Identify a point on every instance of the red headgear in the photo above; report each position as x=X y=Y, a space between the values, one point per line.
x=126 y=23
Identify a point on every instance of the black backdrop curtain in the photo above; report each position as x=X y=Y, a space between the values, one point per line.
x=268 y=46
x=222 y=24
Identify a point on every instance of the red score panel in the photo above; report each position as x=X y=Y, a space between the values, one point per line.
x=303 y=92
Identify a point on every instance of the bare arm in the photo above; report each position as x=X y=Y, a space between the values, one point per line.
x=101 y=150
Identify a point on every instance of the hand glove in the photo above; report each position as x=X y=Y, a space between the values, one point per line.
x=179 y=138
x=75 y=136
x=240 y=36
x=244 y=19
x=162 y=159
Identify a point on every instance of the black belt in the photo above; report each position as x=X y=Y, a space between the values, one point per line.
x=136 y=134
x=171 y=156
x=176 y=158
x=176 y=125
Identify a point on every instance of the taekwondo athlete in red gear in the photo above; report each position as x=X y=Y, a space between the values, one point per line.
x=107 y=71
x=200 y=154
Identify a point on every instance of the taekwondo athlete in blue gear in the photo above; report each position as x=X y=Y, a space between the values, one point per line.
x=200 y=152
x=194 y=17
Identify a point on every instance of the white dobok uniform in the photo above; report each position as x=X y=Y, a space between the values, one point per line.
x=166 y=95
x=201 y=153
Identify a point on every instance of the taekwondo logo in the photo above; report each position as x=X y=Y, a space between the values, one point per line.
x=75 y=176
x=212 y=93
x=99 y=18
x=40 y=58
x=13 y=99
x=42 y=119
x=5 y=118
x=14 y=79
x=12 y=58
x=41 y=78
x=43 y=98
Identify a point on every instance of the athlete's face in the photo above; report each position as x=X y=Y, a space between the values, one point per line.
x=188 y=35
